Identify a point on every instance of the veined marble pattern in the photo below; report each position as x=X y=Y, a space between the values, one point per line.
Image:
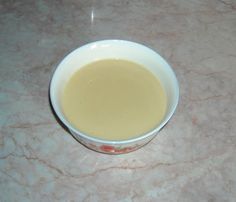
x=194 y=156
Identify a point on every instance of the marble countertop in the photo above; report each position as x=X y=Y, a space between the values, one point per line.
x=192 y=159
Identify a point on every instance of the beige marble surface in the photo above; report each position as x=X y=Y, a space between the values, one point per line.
x=194 y=156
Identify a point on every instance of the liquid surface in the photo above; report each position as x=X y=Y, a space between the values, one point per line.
x=114 y=100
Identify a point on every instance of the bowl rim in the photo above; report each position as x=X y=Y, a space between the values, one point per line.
x=76 y=131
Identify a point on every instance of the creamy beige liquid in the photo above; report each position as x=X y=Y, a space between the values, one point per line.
x=114 y=100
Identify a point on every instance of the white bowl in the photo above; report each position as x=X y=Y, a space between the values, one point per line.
x=118 y=49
